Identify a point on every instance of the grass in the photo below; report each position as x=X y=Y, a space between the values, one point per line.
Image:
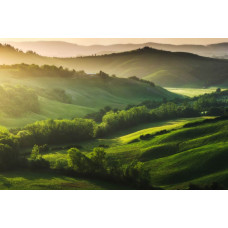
x=88 y=95
x=118 y=142
x=192 y=92
x=23 y=180
x=175 y=159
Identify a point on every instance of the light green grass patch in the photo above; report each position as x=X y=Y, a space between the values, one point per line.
x=191 y=92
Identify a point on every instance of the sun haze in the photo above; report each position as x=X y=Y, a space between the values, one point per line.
x=108 y=41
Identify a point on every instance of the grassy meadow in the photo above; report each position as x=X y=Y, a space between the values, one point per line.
x=83 y=94
x=173 y=158
x=24 y=180
x=192 y=92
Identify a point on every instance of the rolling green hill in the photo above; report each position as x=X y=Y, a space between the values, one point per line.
x=23 y=180
x=170 y=69
x=193 y=154
x=65 y=94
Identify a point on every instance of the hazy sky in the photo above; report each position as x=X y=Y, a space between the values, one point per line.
x=107 y=41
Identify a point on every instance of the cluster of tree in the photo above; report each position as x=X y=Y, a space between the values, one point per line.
x=9 y=151
x=113 y=121
x=149 y=136
x=7 y=48
x=57 y=131
x=36 y=161
x=211 y=104
x=98 y=165
x=77 y=130
x=214 y=104
x=55 y=94
x=17 y=100
x=198 y=123
x=97 y=116
x=33 y=70
x=142 y=80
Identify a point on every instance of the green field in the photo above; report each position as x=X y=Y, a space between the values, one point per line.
x=196 y=154
x=175 y=159
x=87 y=94
x=24 y=180
x=182 y=156
x=118 y=147
x=192 y=92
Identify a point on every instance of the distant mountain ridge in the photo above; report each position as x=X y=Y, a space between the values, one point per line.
x=65 y=49
x=165 y=68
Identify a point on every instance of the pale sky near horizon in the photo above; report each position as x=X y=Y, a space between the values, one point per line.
x=108 y=41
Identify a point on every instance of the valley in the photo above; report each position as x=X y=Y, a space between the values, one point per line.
x=140 y=119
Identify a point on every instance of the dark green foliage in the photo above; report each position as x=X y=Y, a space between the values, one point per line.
x=9 y=151
x=100 y=166
x=33 y=70
x=198 y=123
x=212 y=186
x=216 y=111
x=77 y=130
x=36 y=161
x=61 y=131
x=97 y=116
x=8 y=157
x=78 y=162
x=149 y=136
x=142 y=80
x=98 y=158
x=44 y=148
x=115 y=121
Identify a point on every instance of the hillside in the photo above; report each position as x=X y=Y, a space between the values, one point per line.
x=164 y=68
x=30 y=93
x=189 y=151
x=64 y=49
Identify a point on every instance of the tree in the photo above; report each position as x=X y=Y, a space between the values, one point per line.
x=7 y=156
x=78 y=161
x=98 y=159
x=35 y=153
x=36 y=160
